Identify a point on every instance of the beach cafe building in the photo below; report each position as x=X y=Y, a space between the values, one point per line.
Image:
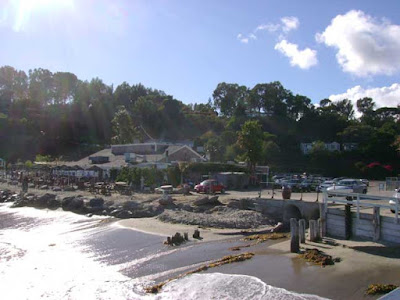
x=77 y=171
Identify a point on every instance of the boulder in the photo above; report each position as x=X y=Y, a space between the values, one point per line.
x=129 y=205
x=121 y=213
x=42 y=201
x=205 y=200
x=72 y=204
x=166 y=200
x=233 y=204
x=56 y=189
x=53 y=203
x=96 y=202
x=44 y=187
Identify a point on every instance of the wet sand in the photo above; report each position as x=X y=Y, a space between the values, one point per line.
x=362 y=262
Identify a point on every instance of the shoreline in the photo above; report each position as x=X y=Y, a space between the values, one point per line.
x=362 y=262
x=156 y=227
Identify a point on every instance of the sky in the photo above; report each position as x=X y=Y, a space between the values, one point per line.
x=320 y=49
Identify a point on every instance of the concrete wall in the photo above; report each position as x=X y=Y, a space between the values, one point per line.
x=284 y=210
x=365 y=228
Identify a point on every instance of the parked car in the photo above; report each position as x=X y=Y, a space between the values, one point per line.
x=294 y=184
x=210 y=186
x=365 y=181
x=349 y=186
x=393 y=202
x=310 y=184
x=323 y=186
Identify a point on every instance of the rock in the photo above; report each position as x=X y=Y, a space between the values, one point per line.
x=44 y=187
x=166 y=200
x=56 y=189
x=75 y=204
x=205 y=200
x=42 y=201
x=20 y=202
x=109 y=203
x=129 y=205
x=89 y=215
x=96 y=202
x=53 y=203
x=69 y=189
x=196 y=234
x=121 y=213
x=233 y=204
x=186 y=207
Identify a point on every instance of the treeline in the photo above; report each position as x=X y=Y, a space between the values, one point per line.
x=57 y=114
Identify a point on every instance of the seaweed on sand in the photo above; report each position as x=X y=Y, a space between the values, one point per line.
x=223 y=261
x=260 y=238
x=318 y=257
x=374 y=289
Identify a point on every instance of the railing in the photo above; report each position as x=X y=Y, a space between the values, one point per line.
x=329 y=198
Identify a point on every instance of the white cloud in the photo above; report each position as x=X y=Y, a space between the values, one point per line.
x=245 y=39
x=387 y=96
x=252 y=36
x=268 y=27
x=365 y=46
x=304 y=59
x=289 y=23
x=242 y=38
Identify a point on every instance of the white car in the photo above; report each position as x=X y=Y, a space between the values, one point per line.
x=349 y=186
x=323 y=186
x=393 y=202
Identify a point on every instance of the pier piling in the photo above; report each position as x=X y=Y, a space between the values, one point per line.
x=294 y=233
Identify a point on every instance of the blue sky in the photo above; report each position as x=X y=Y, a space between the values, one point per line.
x=320 y=49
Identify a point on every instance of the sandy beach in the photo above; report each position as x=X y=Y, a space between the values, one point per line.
x=361 y=262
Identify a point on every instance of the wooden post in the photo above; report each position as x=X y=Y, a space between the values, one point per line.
x=347 y=221
x=318 y=235
x=376 y=221
x=302 y=231
x=312 y=230
x=186 y=236
x=294 y=236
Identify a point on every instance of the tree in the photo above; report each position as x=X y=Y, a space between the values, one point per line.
x=123 y=95
x=250 y=139
x=271 y=97
x=228 y=97
x=215 y=148
x=344 y=108
x=123 y=127
x=365 y=105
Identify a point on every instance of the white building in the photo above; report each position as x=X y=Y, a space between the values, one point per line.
x=331 y=147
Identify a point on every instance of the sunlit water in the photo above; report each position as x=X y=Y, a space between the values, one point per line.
x=59 y=255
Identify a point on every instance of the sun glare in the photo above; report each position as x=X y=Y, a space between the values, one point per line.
x=25 y=9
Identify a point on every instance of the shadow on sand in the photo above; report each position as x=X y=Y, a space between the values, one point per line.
x=385 y=251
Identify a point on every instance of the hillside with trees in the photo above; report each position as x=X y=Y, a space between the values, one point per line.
x=58 y=115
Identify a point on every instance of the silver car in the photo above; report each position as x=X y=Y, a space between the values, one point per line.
x=349 y=186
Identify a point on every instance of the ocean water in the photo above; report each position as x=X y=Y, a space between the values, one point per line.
x=48 y=254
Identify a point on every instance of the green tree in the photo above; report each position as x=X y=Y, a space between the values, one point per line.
x=250 y=140
x=229 y=97
x=123 y=127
